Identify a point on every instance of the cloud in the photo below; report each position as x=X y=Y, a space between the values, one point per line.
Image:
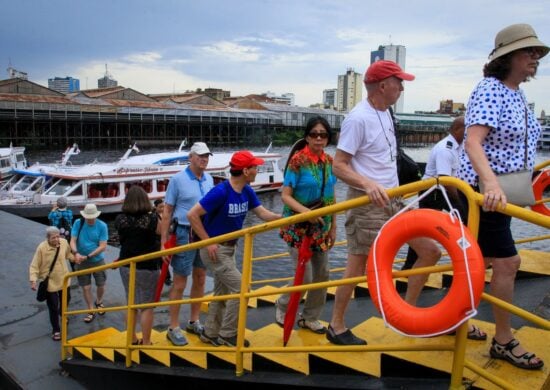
x=145 y=57
x=232 y=51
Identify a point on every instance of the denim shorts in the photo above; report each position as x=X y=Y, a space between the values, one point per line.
x=183 y=263
x=85 y=280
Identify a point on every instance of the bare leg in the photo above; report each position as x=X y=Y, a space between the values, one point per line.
x=147 y=317
x=428 y=255
x=355 y=266
x=176 y=292
x=100 y=292
x=197 y=291
x=87 y=293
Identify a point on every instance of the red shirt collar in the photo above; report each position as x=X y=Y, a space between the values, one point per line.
x=315 y=158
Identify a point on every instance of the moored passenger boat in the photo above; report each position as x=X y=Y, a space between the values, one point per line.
x=106 y=184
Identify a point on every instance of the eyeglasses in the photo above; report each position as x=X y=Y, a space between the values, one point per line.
x=318 y=135
x=534 y=51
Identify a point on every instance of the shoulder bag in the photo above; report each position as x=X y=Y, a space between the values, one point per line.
x=517 y=186
x=42 y=291
x=408 y=170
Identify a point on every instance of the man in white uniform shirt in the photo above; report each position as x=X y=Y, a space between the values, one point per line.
x=366 y=160
x=443 y=161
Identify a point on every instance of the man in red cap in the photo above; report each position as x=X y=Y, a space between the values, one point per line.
x=365 y=159
x=224 y=209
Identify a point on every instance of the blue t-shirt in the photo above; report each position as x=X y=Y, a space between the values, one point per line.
x=90 y=237
x=184 y=191
x=226 y=208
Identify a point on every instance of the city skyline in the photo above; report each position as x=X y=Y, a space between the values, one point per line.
x=253 y=47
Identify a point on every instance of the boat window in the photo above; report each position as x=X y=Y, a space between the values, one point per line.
x=4 y=163
x=60 y=187
x=162 y=185
x=77 y=191
x=145 y=184
x=97 y=190
x=112 y=190
x=24 y=183
x=266 y=167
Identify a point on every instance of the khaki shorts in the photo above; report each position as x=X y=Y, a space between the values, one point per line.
x=364 y=222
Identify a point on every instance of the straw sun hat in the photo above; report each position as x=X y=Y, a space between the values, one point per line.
x=514 y=37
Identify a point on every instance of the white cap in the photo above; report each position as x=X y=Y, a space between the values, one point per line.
x=200 y=148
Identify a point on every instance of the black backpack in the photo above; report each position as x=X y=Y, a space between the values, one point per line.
x=65 y=228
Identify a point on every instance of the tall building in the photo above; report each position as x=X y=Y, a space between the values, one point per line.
x=397 y=54
x=64 y=84
x=350 y=90
x=330 y=98
x=107 y=80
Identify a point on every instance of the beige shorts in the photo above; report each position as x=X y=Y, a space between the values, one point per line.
x=364 y=222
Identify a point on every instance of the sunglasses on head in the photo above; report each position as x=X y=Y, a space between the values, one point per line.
x=318 y=135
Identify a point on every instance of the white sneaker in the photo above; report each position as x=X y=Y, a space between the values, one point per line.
x=279 y=315
x=314 y=326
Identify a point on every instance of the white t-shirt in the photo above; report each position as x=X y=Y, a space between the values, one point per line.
x=444 y=158
x=371 y=144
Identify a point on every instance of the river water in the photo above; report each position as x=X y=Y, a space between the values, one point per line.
x=269 y=243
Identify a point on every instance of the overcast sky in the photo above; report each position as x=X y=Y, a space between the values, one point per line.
x=263 y=45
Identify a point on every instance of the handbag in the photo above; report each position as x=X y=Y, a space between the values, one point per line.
x=42 y=291
x=517 y=186
x=408 y=170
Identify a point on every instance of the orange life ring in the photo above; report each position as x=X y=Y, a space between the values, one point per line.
x=540 y=183
x=456 y=306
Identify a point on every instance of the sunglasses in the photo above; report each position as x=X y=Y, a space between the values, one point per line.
x=318 y=135
x=533 y=51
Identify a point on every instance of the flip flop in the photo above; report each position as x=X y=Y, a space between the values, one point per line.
x=100 y=306
x=89 y=317
x=56 y=336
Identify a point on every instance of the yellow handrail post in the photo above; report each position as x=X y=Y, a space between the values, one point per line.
x=243 y=302
x=63 y=318
x=130 y=317
x=459 y=355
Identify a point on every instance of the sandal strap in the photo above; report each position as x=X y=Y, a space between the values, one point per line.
x=508 y=346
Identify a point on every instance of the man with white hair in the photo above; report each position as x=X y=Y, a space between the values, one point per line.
x=184 y=190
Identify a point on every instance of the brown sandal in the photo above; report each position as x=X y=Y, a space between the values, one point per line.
x=504 y=352
x=477 y=334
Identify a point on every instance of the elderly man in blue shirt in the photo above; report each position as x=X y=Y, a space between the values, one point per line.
x=184 y=190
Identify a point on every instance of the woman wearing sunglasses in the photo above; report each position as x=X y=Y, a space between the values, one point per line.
x=309 y=184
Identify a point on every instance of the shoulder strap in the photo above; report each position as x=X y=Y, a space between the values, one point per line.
x=54 y=260
x=79 y=228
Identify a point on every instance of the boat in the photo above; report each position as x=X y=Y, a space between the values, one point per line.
x=106 y=184
x=25 y=182
x=11 y=158
x=544 y=141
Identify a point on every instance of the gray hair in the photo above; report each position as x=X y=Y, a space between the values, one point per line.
x=51 y=230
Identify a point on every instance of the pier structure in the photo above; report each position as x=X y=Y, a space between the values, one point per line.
x=111 y=118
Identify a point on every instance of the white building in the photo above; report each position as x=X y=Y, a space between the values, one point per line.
x=350 y=90
x=285 y=98
x=397 y=54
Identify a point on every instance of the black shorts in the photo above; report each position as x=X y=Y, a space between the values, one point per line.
x=495 y=234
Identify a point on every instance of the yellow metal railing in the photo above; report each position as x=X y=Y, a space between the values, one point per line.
x=459 y=347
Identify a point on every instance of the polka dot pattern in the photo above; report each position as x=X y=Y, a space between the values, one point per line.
x=502 y=109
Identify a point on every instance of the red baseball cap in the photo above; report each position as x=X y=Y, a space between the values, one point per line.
x=244 y=159
x=383 y=69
